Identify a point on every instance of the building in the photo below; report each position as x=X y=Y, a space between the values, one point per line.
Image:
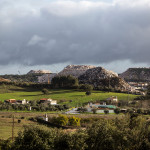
x=50 y=101
x=12 y=101
x=112 y=99
x=22 y=102
x=100 y=108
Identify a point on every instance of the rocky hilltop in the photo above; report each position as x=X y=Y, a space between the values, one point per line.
x=75 y=70
x=38 y=71
x=136 y=74
x=99 y=76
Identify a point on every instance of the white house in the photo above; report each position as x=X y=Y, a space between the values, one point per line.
x=49 y=100
x=112 y=99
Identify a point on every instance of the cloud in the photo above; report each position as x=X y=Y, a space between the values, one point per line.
x=50 y=32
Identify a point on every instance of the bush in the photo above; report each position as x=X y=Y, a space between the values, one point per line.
x=86 y=87
x=94 y=110
x=88 y=93
x=61 y=120
x=74 y=121
x=117 y=111
x=45 y=91
x=106 y=111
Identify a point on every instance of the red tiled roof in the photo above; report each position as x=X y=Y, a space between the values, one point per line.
x=43 y=99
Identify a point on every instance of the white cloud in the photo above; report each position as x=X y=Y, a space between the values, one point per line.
x=35 y=40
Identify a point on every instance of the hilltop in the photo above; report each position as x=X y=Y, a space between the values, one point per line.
x=136 y=74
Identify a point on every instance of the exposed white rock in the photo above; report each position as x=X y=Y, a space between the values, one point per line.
x=38 y=71
x=75 y=70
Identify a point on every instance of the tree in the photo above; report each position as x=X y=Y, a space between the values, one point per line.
x=117 y=110
x=35 y=138
x=45 y=91
x=86 y=87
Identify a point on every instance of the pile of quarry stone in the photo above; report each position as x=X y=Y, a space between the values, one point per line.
x=38 y=71
x=98 y=75
x=75 y=70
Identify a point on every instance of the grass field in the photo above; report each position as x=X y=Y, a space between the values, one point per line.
x=63 y=96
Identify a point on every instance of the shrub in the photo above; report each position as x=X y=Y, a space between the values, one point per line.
x=88 y=93
x=94 y=110
x=74 y=121
x=117 y=111
x=45 y=91
x=106 y=111
x=61 y=120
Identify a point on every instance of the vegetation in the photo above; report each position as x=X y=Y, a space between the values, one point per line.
x=64 y=82
x=131 y=132
x=64 y=120
x=72 y=97
x=45 y=91
x=34 y=105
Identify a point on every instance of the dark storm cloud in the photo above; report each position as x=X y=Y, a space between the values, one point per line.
x=37 y=33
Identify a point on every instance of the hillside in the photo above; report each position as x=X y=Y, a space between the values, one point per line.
x=136 y=74
x=101 y=77
x=21 y=78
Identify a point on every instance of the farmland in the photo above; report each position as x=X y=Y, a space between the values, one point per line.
x=71 y=97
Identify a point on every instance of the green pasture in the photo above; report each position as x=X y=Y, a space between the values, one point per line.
x=71 y=96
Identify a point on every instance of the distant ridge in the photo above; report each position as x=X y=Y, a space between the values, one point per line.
x=136 y=74
x=101 y=77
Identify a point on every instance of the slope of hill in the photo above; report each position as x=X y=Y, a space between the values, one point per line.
x=136 y=74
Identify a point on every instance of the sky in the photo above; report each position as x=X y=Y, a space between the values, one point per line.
x=51 y=34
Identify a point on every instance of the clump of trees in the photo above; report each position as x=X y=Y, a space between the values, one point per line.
x=131 y=132
x=65 y=82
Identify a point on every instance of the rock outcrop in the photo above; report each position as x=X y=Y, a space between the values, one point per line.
x=38 y=71
x=75 y=70
x=136 y=74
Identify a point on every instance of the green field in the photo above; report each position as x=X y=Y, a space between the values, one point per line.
x=71 y=97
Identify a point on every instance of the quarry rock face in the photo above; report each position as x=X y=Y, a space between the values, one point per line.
x=99 y=76
x=136 y=74
x=38 y=71
x=75 y=70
